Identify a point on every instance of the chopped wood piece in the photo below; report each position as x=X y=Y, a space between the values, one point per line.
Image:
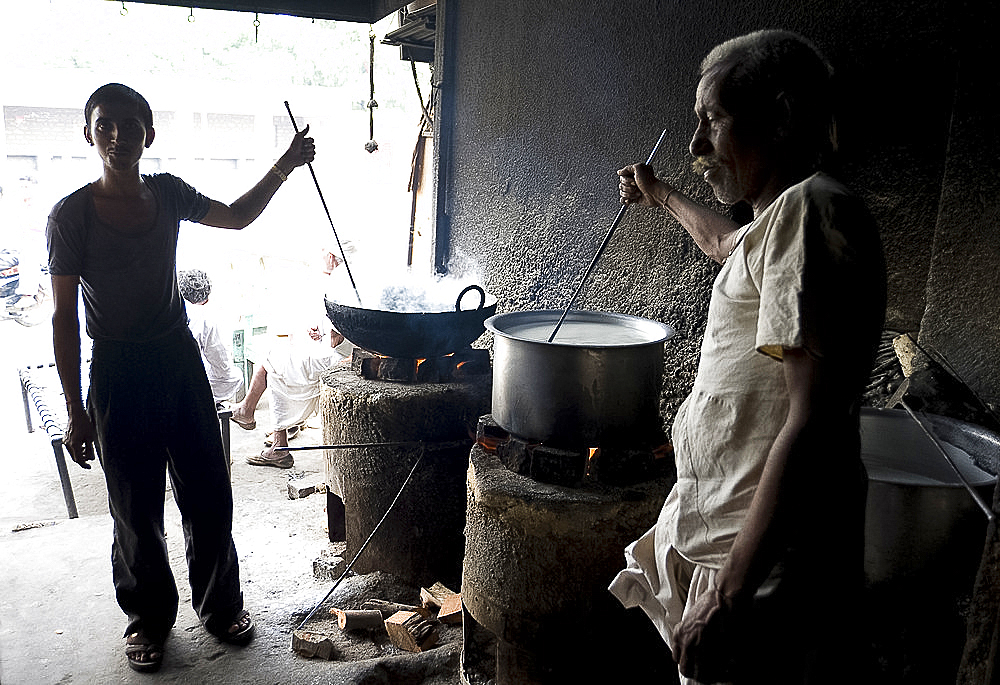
x=390 y=608
x=299 y=488
x=310 y=644
x=410 y=631
x=432 y=597
x=359 y=619
x=451 y=610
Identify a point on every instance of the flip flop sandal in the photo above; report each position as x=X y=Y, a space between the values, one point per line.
x=283 y=462
x=240 y=631
x=245 y=425
x=143 y=655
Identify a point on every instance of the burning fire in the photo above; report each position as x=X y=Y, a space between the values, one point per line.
x=421 y=361
x=488 y=443
x=593 y=453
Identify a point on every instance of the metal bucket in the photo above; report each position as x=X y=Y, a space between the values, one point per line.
x=921 y=523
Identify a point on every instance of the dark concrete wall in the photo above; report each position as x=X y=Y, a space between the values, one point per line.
x=543 y=101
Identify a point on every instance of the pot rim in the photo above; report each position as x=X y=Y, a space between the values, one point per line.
x=655 y=331
x=881 y=419
x=490 y=302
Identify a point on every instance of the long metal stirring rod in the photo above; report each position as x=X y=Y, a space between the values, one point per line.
x=365 y=544
x=327 y=210
x=362 y=445
x=600 y=250
x=986 y=509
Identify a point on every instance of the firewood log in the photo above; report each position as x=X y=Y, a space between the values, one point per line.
x=411 y=632
x=432 y=597
x=451 y=610
x=390 y=608
x=359 y=619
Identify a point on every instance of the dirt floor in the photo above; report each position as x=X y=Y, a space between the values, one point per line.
x=59 y=622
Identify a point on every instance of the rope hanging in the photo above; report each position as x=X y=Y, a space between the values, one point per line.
x=371 y=145
x=420 y=97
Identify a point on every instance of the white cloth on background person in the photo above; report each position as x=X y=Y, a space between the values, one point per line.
x=294 y=366
x=225 y=379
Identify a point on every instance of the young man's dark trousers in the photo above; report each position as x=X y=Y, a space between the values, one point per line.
x=154 y=414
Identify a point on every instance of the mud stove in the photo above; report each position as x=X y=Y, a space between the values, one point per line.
x=531 y=533
x=380 y=399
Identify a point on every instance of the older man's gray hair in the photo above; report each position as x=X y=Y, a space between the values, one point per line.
x=779 y=85
x=195 y=285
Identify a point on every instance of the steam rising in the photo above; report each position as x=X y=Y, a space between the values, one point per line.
x=406 y=291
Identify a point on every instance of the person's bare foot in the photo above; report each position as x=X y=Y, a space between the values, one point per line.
x=144 y=654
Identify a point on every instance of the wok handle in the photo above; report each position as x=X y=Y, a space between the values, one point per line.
x=482 y=297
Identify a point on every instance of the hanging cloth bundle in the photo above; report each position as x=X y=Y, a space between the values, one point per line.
x=371 y=145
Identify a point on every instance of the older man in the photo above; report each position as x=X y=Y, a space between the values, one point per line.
x=754 y=567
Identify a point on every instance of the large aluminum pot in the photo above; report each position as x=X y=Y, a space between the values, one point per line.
x=921 y=523
x=598 y=383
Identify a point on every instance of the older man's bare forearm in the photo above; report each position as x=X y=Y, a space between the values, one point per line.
x=711 y=231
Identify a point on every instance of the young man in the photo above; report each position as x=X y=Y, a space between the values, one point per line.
x=150 y=409
x=754 y=569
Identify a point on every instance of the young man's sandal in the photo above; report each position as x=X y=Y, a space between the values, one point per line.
x=144 y=655
x=240 y=631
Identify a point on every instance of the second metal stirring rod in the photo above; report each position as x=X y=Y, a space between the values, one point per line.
x=604 y=244
x=336 y=237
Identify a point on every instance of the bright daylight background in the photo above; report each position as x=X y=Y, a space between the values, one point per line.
x=195 y=64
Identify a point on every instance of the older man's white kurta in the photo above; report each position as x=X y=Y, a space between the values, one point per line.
x=762 y=301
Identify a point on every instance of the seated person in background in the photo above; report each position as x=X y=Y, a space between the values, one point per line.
x=292 y=370
x=224 y=378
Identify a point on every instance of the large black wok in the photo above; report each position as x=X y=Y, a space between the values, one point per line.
x=412 y=335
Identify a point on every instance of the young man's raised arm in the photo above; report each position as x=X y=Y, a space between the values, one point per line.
x=242 y=212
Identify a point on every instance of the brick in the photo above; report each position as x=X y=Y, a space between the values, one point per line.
x=314 y=645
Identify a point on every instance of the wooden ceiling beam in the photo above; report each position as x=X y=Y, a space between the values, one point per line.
x=363 y=11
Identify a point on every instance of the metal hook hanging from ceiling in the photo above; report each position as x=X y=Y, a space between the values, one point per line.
x=124 y=10
x=191 y=16
x=371 y=145
x=256 y=26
